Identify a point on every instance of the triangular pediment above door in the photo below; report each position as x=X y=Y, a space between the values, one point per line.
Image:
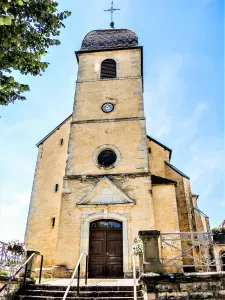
x=105 y=192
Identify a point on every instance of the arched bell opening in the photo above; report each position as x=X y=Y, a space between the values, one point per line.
x=108 y=69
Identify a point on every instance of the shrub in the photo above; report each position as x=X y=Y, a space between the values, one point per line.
x=17 y=247
x=4 y=273
x=218 y=230
x=137 y=246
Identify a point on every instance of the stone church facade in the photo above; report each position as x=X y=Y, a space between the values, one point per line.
x=99 y=177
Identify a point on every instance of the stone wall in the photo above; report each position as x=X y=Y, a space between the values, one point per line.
x=75 y=220
x=125 y=135
x=219 y=249
x=183 y=210
x=194 y=286
x=165 y=207
x=45 y=201
x=157 y=157
x=9 y=292
x=127 y=60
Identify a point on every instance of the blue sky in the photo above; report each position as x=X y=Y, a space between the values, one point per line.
x=184 y=97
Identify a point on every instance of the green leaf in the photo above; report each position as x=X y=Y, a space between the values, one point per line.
x=7 y=21
x=28 y=28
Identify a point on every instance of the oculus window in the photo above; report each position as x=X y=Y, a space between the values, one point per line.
x=107 y=158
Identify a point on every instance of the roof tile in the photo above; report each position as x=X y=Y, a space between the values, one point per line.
x=109 y=39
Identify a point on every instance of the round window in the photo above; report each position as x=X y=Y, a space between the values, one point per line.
x=107 y=158
x=107 y=107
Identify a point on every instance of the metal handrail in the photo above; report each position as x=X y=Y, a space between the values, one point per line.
x=25 y=273
x=77 y=268
x=134 y=277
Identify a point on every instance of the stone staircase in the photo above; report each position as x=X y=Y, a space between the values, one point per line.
x=40 y=292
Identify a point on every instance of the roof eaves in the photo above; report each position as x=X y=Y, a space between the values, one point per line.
x=176 y=170
x=201 y=212
x=51 y=132
x=160 y=144
x=161 y=180
x=109 y=49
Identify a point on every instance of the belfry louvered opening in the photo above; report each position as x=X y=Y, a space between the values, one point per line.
x=108 y=69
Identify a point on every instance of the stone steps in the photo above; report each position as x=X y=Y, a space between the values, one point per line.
x=82 y=287
x=82 y=293
x=40 y=292
x=23 y=297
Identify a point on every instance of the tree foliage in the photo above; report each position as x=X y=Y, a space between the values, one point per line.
x=27 y=29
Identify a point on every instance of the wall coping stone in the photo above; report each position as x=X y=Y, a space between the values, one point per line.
x=152 y=278
x=148 y=233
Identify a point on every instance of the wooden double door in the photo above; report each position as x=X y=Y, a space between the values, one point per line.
x=106 y=249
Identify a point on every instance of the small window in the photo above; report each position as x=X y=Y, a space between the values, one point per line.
x=149 y=150
x=53 y=222
x=61 y=142
x=108 y=69
x=106 y=224
x=56 y=187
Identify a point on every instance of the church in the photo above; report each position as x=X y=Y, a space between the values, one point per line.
x=100 y=178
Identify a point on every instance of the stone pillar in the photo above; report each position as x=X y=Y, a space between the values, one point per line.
x=151 y=261
x=31 y=263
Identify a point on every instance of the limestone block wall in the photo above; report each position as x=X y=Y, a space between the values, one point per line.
x=157 y=157
x=201 y=220
x=189 y=203
x=129 y=137
x=165 y=208
x=125 y=94
x=45 y=201
x=10 y=291
x=184 y=286
x=166 y=218
x=128 y=63
x=184 y=207
x=183 y=211
x=75 y=220
x=218 y=250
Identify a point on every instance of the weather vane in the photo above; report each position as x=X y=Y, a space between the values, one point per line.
x=112 y=9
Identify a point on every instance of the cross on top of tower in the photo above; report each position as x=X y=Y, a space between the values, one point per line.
x=112 y=9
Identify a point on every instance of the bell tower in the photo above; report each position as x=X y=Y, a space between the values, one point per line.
x=108 y=133
x=107 y=173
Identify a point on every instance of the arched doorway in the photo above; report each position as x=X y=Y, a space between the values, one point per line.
x=106 y=249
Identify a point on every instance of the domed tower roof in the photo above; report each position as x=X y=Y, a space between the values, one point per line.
x=109 y=39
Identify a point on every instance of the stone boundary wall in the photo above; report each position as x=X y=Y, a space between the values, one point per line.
x=182 y=286
x=9 y=292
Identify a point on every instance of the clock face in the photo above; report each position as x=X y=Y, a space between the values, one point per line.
x=107 y=107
